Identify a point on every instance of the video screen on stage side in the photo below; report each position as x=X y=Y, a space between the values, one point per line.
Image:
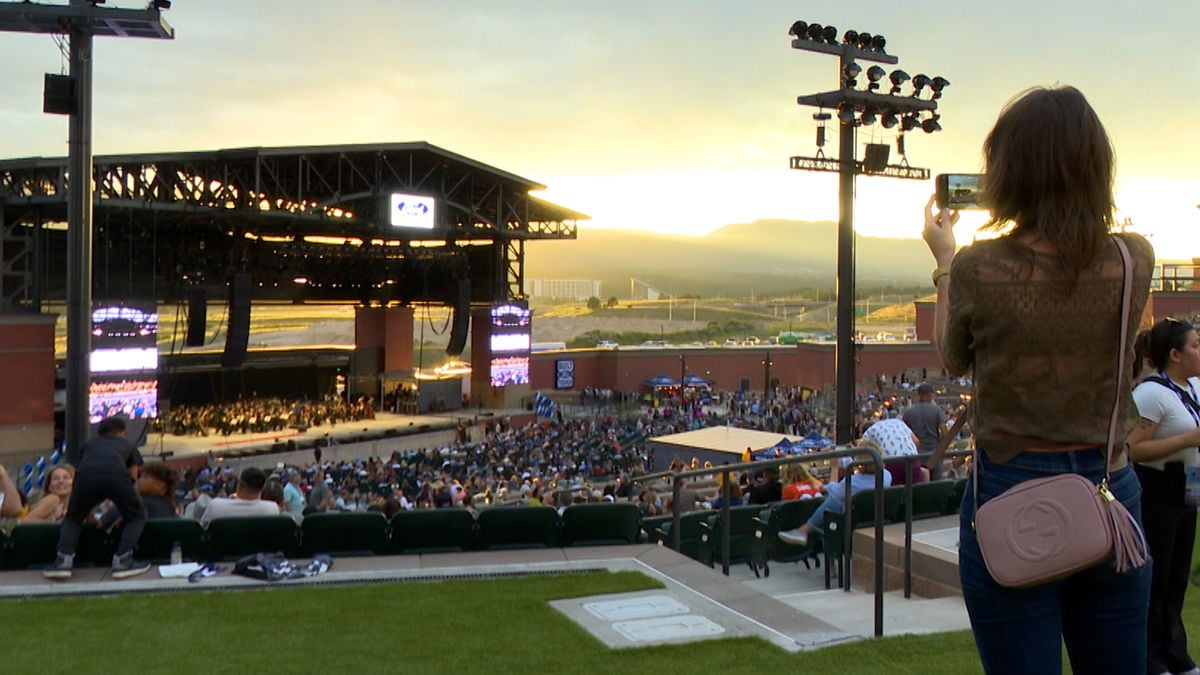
x=509 y=370
x=509 y=344
x=124 y=361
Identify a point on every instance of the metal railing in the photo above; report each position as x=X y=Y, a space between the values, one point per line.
x=725 y=471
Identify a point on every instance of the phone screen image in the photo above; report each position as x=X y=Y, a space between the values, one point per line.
x=959 y=191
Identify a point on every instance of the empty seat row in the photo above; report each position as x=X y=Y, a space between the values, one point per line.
x=32 y=545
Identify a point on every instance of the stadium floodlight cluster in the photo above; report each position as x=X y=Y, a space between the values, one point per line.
x=870 y=104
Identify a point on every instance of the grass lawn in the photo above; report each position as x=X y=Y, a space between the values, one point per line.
x=495 y=626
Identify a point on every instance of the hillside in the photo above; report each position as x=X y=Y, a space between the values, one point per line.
x=763 y=257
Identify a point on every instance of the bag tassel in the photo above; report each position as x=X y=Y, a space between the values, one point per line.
x=1130 y=550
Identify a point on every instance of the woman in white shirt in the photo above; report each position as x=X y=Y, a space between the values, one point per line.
x=1164 y=444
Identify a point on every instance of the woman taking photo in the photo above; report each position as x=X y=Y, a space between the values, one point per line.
x=1164 y=445
x=1035 y=316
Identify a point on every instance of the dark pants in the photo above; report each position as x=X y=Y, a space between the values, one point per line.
x=92 y=488
x=1171 y=532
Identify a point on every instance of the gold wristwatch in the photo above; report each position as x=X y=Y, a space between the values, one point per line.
x=939 y=272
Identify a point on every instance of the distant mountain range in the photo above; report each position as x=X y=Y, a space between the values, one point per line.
x=763 y=257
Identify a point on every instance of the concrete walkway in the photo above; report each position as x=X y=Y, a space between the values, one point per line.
x=790 y=609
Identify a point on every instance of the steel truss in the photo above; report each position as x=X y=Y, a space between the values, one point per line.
x=283 y=214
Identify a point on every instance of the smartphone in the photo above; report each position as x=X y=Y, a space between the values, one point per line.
x=959 y=191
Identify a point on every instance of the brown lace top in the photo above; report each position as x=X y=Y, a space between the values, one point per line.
x=1043 y=356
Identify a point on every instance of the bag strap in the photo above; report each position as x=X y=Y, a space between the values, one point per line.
x=944 y=443
x=1126 y=301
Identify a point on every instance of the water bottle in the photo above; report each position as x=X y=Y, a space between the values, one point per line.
x=176 y=554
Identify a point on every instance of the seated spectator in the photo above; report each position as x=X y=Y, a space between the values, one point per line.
x=766 y=488
x=246 y=501
x=835 y=500
x=10 y=500
x=801 y=484
x=56 y=493
x=895 y=439
x=735 y=493
x=273 y=492
x=199 y=497
x=156 y=485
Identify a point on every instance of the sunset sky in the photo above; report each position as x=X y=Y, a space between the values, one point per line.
x=665 y=115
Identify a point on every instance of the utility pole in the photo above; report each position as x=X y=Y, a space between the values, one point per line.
x=859 y=107
x=71 y=95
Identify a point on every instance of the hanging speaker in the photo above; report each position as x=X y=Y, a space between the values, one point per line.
x=462 y=320
x=237 y=337
x=876 y=158
x=197 y=317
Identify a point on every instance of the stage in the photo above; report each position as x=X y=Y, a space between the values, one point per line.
x=385 y=431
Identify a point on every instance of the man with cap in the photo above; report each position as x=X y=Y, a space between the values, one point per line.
x=927 y=421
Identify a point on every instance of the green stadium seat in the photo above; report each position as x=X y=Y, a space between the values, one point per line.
x=930 y=499
x=651 y=528
x=161 y=535
x=235 y=537
x=432 y=531
x=344 y=534
x=833 y=539
x=689 y=533
x=599 y=524
x=781 y=517
x=505 y=527
x=34 y=546
x=956 y=496
x=741 y=535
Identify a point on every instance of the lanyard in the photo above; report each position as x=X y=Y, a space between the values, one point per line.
x=1189 y=402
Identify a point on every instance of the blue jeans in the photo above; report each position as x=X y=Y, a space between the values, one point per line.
x=1100 y=614
x=817 y=520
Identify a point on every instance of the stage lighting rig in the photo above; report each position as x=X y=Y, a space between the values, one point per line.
x=857 y=107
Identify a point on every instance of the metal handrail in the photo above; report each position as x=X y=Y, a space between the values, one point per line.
x=870 y=453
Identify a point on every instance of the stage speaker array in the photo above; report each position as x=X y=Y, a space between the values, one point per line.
x=876 y=158
x=197 y=317
x=237 y=337
x=462 y=319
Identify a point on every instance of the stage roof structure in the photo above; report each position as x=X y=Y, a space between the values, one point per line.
x=718 y=445
x=307 y=222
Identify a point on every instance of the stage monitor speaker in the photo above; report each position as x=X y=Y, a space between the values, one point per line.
x=876 y=158
x=462 y=320
x=197 y=317
x=237 y=337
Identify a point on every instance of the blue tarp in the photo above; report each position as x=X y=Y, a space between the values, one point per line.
x=694 y=380
x=661 y=381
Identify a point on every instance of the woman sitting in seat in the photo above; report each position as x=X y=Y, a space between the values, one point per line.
x=56 y=493
x=835 y=500
x=799 y=483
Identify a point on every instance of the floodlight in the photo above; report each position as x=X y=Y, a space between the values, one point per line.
x=898 y=77
x=889 y=120
x=830 y=34
x=878 y=43
x=799 y=29
x=931 y=125
x=920 y=82
x=864 y=40
x=849 y=72
x=938 y=84
x=851 y=37
x=874 y=75
x=815 y=30
x=909 y=122
x=846 y=115
x=868 y=117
